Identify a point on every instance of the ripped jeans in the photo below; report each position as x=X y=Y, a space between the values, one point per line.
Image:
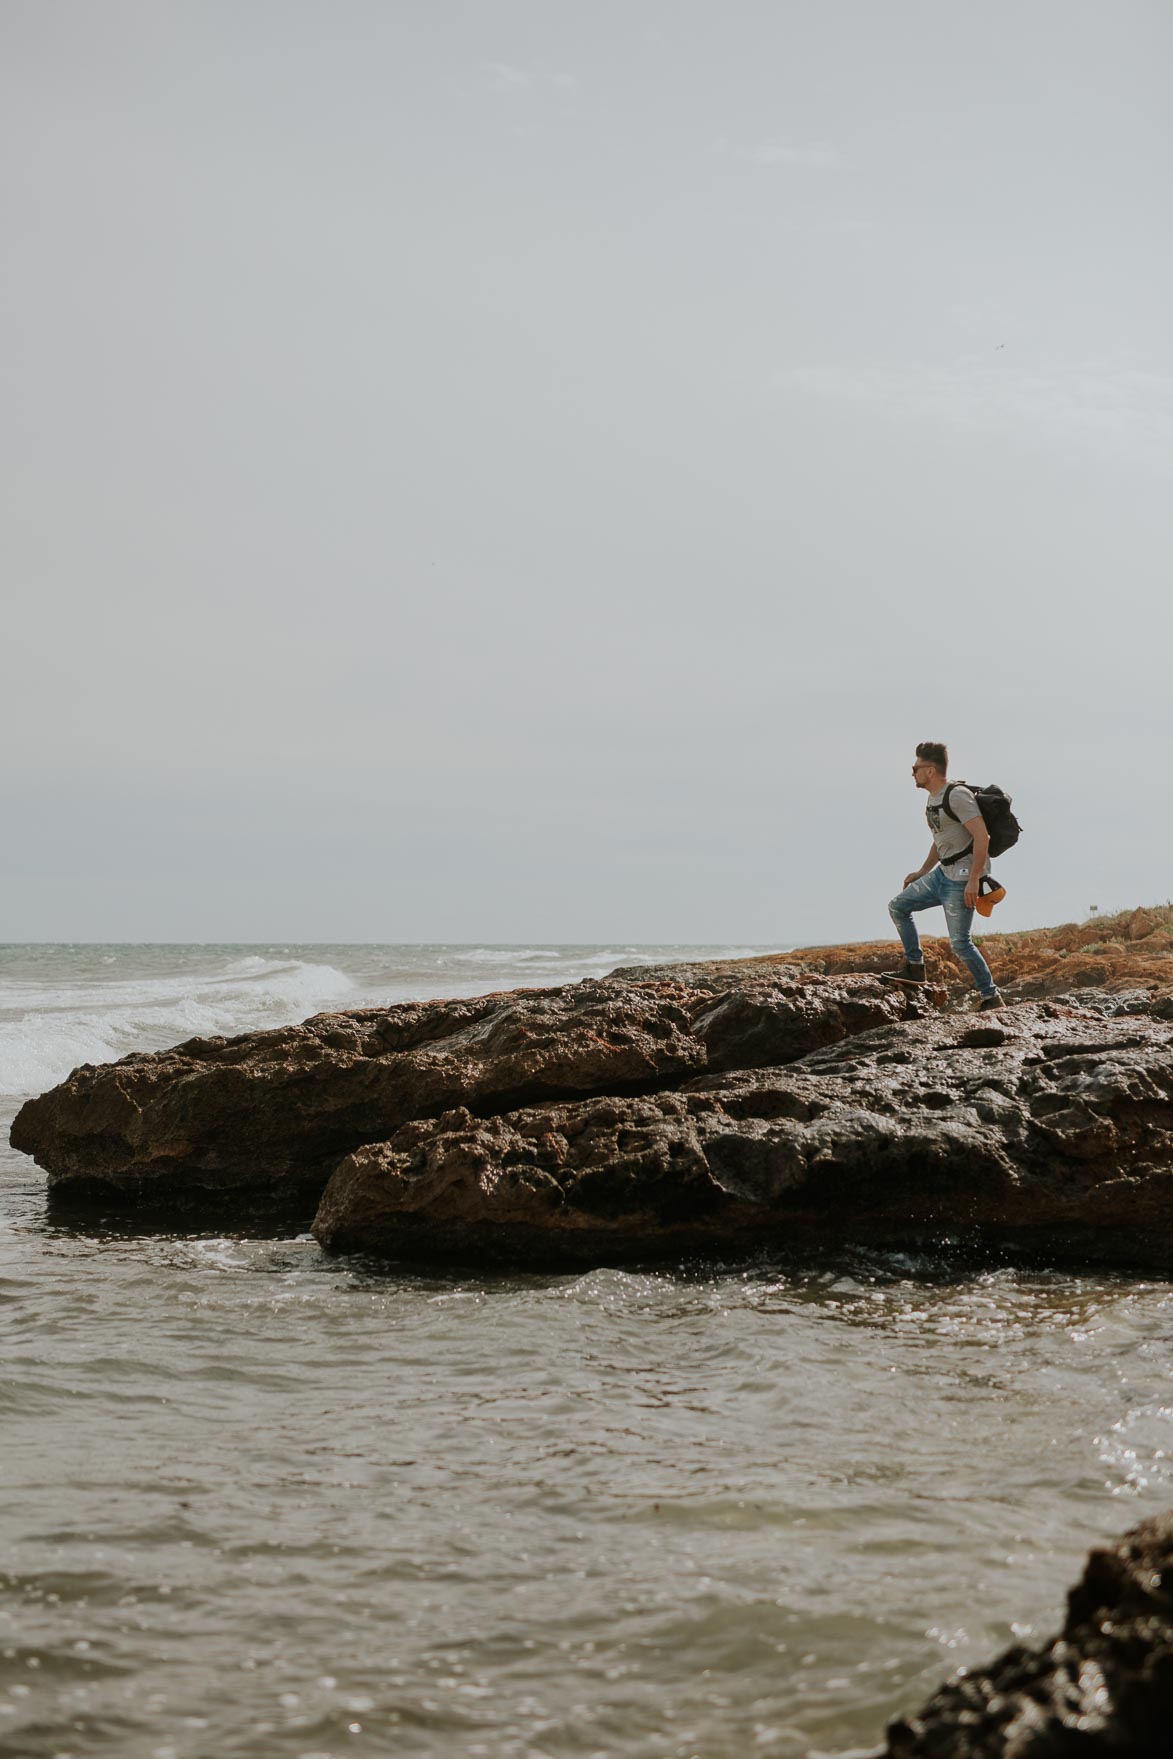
x=936 y=888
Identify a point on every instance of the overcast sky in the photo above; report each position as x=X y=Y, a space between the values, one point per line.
x=532 y=471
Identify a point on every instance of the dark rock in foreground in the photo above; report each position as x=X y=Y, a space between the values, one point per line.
x=218 y=1122
x=1037 y=1130
x=1103 y=1686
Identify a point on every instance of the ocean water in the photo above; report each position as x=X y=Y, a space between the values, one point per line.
x=261 y=1503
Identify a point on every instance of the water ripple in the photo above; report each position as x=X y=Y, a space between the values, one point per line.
x=260 y=1503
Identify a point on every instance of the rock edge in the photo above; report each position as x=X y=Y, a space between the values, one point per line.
x=1103 y=1685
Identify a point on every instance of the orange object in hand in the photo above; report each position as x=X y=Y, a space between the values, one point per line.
x=987 y=899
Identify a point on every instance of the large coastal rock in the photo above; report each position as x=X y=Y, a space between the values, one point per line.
x=1103 y=1686
x=712 y=1107
x=225 y=1123
x=1037 y=1129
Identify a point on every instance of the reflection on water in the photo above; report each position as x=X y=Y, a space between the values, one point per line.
x=263 y=1503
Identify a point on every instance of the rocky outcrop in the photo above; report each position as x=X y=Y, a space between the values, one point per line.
x=1103 y=1686
x=225 y=1123
x=703 y=1108
x=1110 y=962
x=1037 y=1130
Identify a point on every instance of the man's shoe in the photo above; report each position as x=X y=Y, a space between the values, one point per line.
x=906 y=974
x=988 y=1002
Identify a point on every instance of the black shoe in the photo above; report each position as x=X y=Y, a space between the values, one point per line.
x=988 y=1002
x=906 y=974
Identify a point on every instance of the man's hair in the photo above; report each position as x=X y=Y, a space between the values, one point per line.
x=932 y=751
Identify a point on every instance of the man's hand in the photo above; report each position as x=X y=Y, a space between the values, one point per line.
x=972 y=892
x=926 y=866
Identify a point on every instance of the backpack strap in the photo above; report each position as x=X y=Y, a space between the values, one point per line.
x=949 y=860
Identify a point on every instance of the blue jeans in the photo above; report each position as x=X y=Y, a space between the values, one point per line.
x=937 y=888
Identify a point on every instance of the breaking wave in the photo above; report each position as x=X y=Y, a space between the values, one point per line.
x=65 y=1005
x=47 y=1029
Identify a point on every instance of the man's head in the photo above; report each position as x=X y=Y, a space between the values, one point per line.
x=931 y=767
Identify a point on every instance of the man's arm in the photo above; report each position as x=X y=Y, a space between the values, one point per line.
x=981 y=849
x=926 y=866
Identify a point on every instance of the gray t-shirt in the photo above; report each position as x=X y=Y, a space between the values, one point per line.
x=950 y=835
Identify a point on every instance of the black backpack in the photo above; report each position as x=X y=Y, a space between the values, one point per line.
x=994 y=806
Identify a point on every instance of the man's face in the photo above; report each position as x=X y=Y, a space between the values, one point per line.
x=924 y=774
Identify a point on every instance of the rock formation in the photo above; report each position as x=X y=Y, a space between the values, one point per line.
x=1103 y=1686
x=708 y=1107
x=225 y=1122
x=1036 y=1129
x=1121 y=963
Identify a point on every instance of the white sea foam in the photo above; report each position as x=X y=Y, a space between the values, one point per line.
x=509 y=955
x=48 y=1029
x=63 y=1006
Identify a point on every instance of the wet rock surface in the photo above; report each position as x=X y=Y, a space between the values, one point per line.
x=697 y=1109
x=1104 y=1685
x=1035 y=1129
x=221 y=1122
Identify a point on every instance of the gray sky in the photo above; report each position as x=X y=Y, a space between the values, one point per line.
x=532 y=471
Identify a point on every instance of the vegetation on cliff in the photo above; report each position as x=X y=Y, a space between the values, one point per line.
x=1127 y=954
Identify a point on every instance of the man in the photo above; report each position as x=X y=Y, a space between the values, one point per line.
x=950 y=875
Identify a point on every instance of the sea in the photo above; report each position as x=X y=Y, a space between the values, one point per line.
x=260 y=1503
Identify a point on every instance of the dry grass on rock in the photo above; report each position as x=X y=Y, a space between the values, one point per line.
x=1131 y=951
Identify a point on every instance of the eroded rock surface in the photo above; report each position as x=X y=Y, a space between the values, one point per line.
x=222 y=1120
x=1036 y=1129
x=718 y=1109
x=1103 y=1686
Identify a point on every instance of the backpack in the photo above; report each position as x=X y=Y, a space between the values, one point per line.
x=994 y=806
